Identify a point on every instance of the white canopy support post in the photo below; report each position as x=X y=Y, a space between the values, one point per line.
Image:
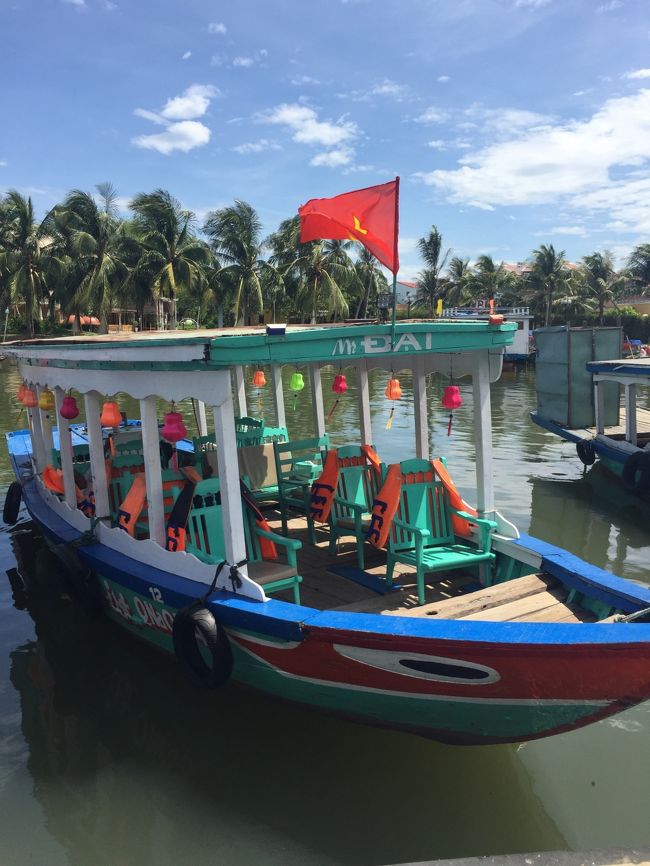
x=240 y=390
x=152 y=470
x=46 y=427
x=65 y=450
x=278 y=396
x=630 y=413
x=38 y=448
x=420 y=407
x=363 y=397
x=483 y=435
x=317 y=399
x=201 y=418
x=599 y=406
x=97 y=464
x=231 y=503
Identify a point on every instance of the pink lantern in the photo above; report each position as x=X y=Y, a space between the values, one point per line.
x=69 y=408
x=340 y=384
x=173 y=429
x=451 y=400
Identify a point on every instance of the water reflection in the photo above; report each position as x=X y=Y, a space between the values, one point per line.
x=131 y=765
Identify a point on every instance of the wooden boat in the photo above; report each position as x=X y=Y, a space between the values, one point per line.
x=481 y=636
x=595 y=404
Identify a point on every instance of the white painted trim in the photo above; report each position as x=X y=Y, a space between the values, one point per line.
x=317 y=399
x=65 y=450
x=483 y=434
x=363 y=400
x=599 y=407
x=278 y=396
x=231 y=503
x=96 y=447
x=38 y=446
x=240 y=390
x=420 y=409
x=46 y=428
x=107 y=352
x=201 y=417
x=630 y=413
x=152 y=470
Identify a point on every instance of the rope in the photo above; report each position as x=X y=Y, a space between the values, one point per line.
x=639 y=614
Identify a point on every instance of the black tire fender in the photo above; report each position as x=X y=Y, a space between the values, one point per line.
x=636 y=472
x=188 y=624
x=586 y=451
x=12 y=503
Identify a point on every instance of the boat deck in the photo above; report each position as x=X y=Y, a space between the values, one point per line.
x=617 y=431
x=450 y=595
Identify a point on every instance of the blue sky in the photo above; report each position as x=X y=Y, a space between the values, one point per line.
x=511 y=122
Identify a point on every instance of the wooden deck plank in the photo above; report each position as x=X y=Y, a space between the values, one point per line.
x=407 y=598
x=521 y=608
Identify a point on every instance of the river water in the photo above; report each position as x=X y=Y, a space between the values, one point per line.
x=108 y=757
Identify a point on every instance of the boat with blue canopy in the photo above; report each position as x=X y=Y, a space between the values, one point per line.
x=308 y=572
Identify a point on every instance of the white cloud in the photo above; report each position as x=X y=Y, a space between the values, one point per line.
x=299 y=80
x=244 y=62
x=443 y=79
x=437 y=144
x=598 y=164
x=609 y=7
x=334 y=158
x=187 y=55
x=183 y=136
x=307 y=128
x=217 y=27
x=578 y=231
x=257 y=146
x=216 y=60
x=531 y=4
x=432 y=115
x=194 y=102
x=3 y=163
x=387 y=88
x=637 y=74
x=150 y=115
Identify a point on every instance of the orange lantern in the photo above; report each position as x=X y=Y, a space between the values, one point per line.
x=20 y=393
x=259 y=379
x=393 y=392
x=30 y=401
x=111 y=415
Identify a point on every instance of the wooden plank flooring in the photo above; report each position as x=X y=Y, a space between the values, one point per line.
x=532 y=598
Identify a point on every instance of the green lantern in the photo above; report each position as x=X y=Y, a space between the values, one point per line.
x=296 y=384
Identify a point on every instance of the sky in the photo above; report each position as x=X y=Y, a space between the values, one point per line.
x=511 y=123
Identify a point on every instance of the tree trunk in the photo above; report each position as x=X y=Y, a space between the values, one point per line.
x=220 y=316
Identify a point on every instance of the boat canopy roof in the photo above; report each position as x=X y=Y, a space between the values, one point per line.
x=272 y=344
x=623 y=368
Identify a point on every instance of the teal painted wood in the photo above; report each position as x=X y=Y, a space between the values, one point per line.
x=422 y=532
x=355 y=492
x=297 y=465
x=205 y=539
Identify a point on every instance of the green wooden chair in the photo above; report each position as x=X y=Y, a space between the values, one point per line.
x=297 y=466
x=358 y=484
x=205 y=539
x=248 y=431
x=422 y=533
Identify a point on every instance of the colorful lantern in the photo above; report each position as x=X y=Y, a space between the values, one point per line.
x=111 y=415
x=69 y=409
x=173 y=429
x=259 y=379
x=339 y=386
x=20 y=393
x=46 y=400
x=393 y=392
x=30 y=400
x=451 y=400
x=296 y=384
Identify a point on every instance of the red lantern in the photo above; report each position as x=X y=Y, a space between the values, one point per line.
x=69 y=409
x=30 y=401
x=340 y=384
x=173 y=429
x=259 y=379
x=451 y=400
x=111 y=415
x=20 y=393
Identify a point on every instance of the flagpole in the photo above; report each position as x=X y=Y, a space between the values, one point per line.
x=395 y=265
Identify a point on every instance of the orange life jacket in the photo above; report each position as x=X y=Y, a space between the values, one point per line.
x=53 y=480
x=324 y=488
x=387 y=500
x=131 y=508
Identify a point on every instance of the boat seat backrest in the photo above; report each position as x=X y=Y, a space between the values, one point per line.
x=358 y=481
x=288 y=456
x=80 y=457
x=257 y=463
x=204 y=528
x=423 y=503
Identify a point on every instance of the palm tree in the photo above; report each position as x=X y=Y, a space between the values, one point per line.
x=548 y=276
x=603 y=283
x=98 y=246
x=638 y=266
x=27 y=263
x=428 y=280
x=459 y=276
x=371 y=278
x=490 y=280
x=173 y=259
x=235 y=235
x=317 y=274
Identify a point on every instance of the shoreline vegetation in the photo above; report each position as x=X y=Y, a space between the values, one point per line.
x=85 y=265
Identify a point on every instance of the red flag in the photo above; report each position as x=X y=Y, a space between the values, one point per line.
x=370 y=216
